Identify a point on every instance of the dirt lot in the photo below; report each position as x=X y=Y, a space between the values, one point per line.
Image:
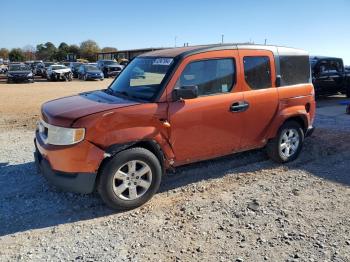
x=20 y=103
x=238 y=208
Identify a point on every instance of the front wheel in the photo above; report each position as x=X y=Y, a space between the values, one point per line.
x=130 y=179
x=286 y=146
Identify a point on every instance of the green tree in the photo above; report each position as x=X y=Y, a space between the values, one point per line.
x=109 y=49
x=88 y=50
x=74 y=49
x=62 y=52
x=16 y=55
x=4 y=53
x=46 y=51
x=63 y=46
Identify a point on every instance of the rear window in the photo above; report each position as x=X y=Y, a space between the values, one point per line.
x=257 y=71
x=294 y=70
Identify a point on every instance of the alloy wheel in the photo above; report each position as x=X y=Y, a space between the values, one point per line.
x=132 y=180
x=289 y=142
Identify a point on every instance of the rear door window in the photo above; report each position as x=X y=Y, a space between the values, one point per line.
x=257 y=72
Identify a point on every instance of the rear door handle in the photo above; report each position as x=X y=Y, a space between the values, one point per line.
x=240 y=106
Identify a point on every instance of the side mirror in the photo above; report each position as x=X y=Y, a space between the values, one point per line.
x=185 y=92
x=278 y=82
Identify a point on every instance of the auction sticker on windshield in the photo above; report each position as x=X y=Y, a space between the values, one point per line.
x=162 y=61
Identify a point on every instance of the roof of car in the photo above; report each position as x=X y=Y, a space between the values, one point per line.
x=190 y=50
x=323 y=57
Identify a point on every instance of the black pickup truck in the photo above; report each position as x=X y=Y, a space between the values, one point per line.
x=329 y=76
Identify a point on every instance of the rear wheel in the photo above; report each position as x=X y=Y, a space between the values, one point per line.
x=130 y=179
x=286 y=146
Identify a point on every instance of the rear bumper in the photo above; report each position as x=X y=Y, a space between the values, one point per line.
x=74 y=182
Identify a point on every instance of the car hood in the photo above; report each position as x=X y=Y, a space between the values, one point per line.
x=64 y=111
x=60 y=71
x=94 y=72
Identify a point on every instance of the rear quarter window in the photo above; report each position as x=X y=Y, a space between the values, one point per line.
x=294 y=70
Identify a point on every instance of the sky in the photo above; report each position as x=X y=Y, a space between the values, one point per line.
x=321 y=27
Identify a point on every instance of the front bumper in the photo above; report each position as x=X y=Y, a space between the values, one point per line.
x=20 y=78
x=113 y=73
x=60 y=76
x=74 y=182
x=92 y=76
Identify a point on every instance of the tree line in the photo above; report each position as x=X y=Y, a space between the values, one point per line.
x=49 y=52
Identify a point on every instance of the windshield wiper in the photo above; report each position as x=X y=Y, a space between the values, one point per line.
x=122 y=93
x=109 y=91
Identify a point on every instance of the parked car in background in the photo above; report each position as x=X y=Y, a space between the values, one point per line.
x=193 y=104
x=19 y=73
x=35 y=63
x=59 y=72
x=329 y=76
x=74 y=66
x=109 y=67
x=89 y=72
x=3 y=69
x=40 y=69
x=124 y=62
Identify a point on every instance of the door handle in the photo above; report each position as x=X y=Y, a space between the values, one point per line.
x=240 y=106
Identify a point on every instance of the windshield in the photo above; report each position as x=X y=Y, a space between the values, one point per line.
x=111 y=62
x=313 y=62
x=77 y=65
x=19 y=68
x=48 y=64
x=91 y=68
x=56 y=67
x=142 y=78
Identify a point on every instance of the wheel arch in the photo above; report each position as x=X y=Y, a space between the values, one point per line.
x=149 y=144
x=299 y=118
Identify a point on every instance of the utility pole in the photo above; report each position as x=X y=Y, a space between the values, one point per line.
x=265 y=41
x=175 y=40
x=222 y=38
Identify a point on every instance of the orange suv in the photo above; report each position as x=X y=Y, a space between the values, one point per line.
x=173 y=107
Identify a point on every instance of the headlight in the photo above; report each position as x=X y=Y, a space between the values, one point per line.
x=101 y=74
x=56 y=135
x=30 y=75
x=9 y=75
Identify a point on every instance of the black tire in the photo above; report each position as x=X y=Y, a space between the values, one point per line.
x=105 y=74
x=347 y=92
x=273 y=147
x=107 y=180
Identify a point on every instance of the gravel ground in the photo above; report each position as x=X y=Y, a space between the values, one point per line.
x=237 y=208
